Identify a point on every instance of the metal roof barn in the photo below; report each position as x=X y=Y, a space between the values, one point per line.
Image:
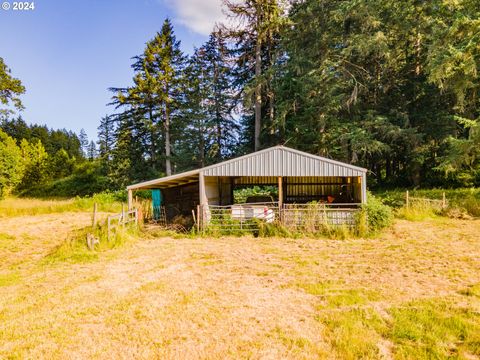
x=299 y=177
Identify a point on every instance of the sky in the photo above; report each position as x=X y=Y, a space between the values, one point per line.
x=68 y=53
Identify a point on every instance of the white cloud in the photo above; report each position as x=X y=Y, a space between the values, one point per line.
x=199 y=16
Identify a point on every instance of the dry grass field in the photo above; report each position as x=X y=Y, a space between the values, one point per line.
x=411 y=293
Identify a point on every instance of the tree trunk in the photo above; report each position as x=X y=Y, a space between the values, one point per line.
x=152 y=140
x=201 y=148
x=168 y=165
x=217 y=114
x=258 y=90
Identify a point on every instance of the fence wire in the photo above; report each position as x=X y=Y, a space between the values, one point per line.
x=310 y=217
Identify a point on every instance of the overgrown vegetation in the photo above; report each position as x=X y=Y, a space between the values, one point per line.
x=459 y=201
x=75 y=249
x=374 y=216
x=371 y=219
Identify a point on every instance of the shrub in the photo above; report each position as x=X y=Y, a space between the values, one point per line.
x=377 y=215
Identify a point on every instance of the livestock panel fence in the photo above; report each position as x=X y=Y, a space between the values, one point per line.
x=238 y=217
x=245 y=217
x=317 y=216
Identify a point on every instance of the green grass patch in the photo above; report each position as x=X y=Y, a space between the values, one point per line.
x=290 y=340
x=8 y=242
x=473 y=290
x=417 y=212
x=335 y=295
x=439 y=328
x=353 y=334
x=434 y=329
x=11 y=278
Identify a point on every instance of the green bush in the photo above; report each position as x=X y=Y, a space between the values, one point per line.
x=377 y=215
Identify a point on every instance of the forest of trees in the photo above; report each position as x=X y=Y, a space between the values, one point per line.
x=389 y=85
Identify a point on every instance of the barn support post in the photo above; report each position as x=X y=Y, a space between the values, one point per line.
x=130 y=199
x=203 y=200
x=280 y=197
x=280 y=192
x=363 y=180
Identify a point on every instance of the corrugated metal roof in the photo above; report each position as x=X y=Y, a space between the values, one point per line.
x=274 y=161
x=282 y=161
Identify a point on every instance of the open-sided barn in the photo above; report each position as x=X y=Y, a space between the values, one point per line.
x=299 y=177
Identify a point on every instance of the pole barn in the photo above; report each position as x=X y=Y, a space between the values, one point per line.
x=300 y=179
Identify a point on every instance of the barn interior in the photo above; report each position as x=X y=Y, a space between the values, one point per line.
x=181 y=194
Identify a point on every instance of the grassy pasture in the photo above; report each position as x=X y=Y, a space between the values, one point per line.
x=411 y=293
x=12 y=207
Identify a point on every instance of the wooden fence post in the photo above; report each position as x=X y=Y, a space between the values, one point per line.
x=122 y=219
x=198 y=219
x=444 y=200
x=407 y=199
x=94 y=218
x=108 y=228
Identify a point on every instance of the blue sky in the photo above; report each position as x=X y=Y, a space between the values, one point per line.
x=68 y=53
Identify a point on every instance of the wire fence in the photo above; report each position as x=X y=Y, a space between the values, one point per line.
x=246 y=217
x=438 y=204
x=317 y=216
x=238 y=217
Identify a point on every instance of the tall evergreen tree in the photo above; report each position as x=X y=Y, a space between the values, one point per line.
x=156 y=94
x=92 y=151
x=210 y=130
x=83 y=142
x=255 y=33
x=106 y=141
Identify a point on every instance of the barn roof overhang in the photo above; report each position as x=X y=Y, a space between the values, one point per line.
x=167 y=181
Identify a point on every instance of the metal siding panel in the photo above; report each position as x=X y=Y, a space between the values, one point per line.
x=298 y=167
x=288 y=164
